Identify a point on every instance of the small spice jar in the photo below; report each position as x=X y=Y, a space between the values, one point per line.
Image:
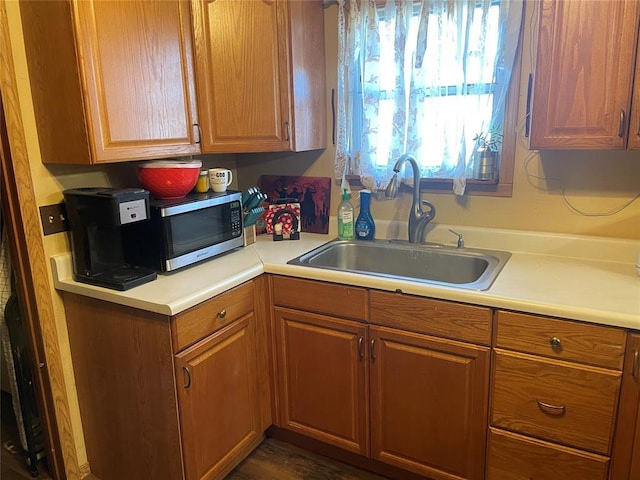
x=203 y=182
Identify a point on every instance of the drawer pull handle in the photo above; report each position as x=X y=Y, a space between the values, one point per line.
x=556 y=344
x=551 y=409
x=360 y=345
x=287 y=130
x=187 y=377
x=222 y=314
x=197 y=133
x=373 y=351
x=621 y=124
x=636 y=364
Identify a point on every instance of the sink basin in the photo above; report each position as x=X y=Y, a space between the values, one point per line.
x=443 y=265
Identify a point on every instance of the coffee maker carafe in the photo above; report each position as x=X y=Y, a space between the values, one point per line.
x=96 y=217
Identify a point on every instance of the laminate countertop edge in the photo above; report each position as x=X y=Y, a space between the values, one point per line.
x=173 y=293
x=587 y=289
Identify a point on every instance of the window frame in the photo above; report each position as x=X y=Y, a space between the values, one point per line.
x=503 y=185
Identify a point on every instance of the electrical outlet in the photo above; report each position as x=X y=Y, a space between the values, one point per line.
x=54 y=218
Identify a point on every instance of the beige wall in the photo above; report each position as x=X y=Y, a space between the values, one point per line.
x=545 y=183
x=593 y=182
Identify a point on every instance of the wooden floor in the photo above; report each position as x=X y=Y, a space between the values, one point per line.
x=276 y=460
x=272 y=460
x=13 y=459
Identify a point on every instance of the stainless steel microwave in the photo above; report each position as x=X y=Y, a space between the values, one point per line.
x=185 y=231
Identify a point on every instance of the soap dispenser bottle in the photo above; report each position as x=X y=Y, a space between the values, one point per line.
x=346 y=225
x=365 y=226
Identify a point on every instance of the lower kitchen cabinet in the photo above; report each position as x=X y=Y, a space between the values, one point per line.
x=625 y=460
x=392 y=382
x=514 y=457
x=554 y=398
x=323 y=378
x=429 y=400
x=414 y=401
x=124 y=378
x=218 y=400
x=168 y=398
x=570 y=404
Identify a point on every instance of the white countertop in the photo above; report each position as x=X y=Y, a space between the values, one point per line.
x=576 y=277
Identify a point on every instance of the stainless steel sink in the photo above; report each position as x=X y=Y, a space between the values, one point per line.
x=438 y=264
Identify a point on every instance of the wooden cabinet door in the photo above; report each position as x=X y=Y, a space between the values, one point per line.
x=429 y=400
x=218 y=400
x=323 y=378
x=583 y=74
x=111 y=81
x=260 y=75
x=634 y=127
x=625 y=459
x=242 y=89
x=308 y=107
x=138 y=67
x=634 y=469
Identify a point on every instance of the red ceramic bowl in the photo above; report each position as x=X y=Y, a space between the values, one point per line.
x=169 y=179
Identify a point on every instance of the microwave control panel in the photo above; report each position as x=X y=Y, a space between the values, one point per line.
x=236 y=219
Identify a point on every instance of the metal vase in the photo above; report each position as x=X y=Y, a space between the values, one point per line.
x=487 y=165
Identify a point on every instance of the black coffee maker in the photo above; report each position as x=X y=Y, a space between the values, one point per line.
x=96 y=217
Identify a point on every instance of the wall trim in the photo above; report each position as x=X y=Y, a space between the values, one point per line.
x=30 y=265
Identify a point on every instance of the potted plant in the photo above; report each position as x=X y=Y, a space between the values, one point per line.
x=489 y=145
x=491 y=140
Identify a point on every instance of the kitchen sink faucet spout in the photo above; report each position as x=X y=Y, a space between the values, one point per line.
x=418 y=218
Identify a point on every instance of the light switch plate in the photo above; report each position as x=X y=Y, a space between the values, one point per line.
x=54 y=218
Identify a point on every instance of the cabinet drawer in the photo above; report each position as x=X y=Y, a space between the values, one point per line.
x=513 y=456
x=562 y=339
x=204 y=319
x=320 y=297
x=433 y=317
x=559 y=401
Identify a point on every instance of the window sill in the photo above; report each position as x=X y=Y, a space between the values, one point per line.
x=489 y=188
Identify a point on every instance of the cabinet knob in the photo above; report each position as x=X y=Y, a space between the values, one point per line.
x=556 y=344
x=222 y=314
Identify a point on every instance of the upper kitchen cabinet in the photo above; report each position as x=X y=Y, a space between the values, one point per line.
x=260 y=75
x=634 y=129
x=584 y=73
x=111 y=81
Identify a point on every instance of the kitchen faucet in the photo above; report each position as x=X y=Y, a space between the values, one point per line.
x=418 y=219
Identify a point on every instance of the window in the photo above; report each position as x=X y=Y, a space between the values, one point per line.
x=425 y=78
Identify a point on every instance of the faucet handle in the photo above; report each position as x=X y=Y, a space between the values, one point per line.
x=432 y=210
x=460 y=239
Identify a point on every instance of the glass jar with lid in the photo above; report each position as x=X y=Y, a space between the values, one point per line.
x=203 y=182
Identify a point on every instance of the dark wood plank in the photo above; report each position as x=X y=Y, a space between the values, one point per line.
x=13 y=464
x=277 y=460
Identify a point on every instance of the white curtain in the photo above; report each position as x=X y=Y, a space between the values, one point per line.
x=423 y=77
